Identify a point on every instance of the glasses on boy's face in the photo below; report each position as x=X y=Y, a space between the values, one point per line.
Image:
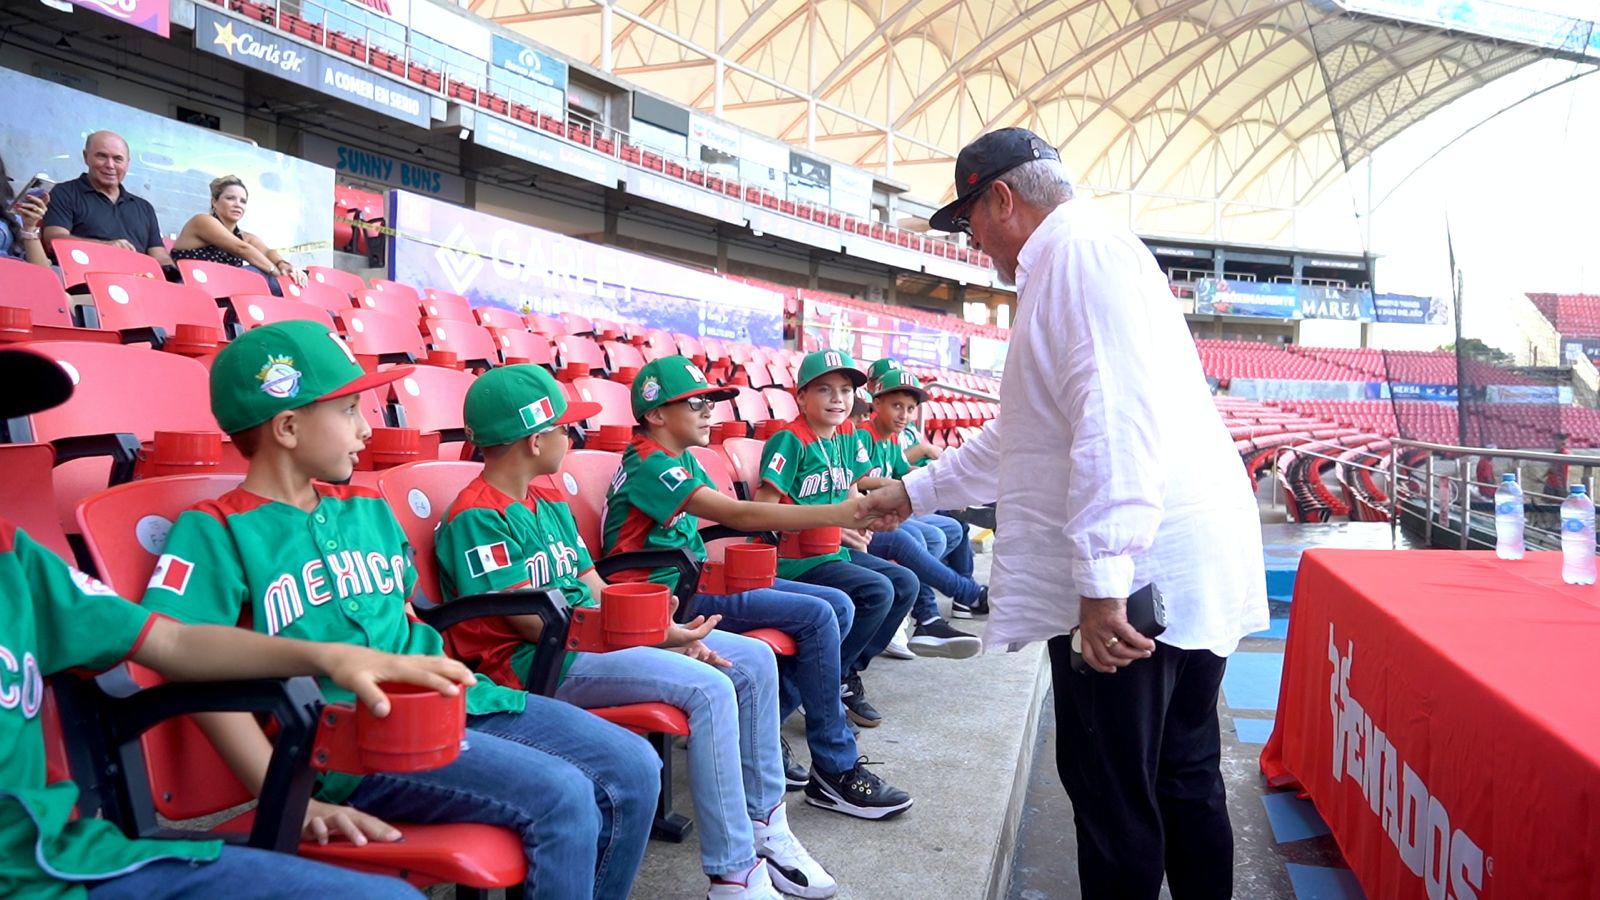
x=697 y=404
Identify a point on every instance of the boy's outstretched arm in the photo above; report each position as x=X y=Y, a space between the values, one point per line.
x=767 y=515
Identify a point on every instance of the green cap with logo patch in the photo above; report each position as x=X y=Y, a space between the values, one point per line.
x=513 y=402
x=670 y=379
x=820 y=363
x=284 y=366
x=899 y=380
x=882 y=367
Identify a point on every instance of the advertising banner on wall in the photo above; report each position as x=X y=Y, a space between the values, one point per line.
x=154 y=16
x=1574 y=347
x=267 y=51
x=1406 y=309
x=1345 y=304
x=869 y=336
x=763 y=163
x=540 y=148
x=1399 y=390
x=715 y=146
x=852 y=192
x=496 y=262
x=809 y=180
x=171 y=164
x=380 y=168
x=1213 y=296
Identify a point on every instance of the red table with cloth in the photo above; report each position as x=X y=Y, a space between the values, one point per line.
x=1442 y=711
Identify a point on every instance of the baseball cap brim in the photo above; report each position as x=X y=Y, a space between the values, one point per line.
x=945 y=218
x=856 y=376
x=578 y=411
x=368 y=381
x=716 y=394
x=38 y=383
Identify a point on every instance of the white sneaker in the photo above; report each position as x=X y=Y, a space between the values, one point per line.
x=757 y=885
x=900 y=646
x=790 y=867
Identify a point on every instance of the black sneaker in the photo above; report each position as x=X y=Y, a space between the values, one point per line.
x=977 y=609
x=795 y=775
x=855 y=703
x=857 y=793
x=937 y=638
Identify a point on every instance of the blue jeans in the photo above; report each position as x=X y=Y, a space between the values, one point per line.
x=245 y=873
x=882 y=593
x=905 y=546
x=735 y=763
x=814 y=616
x=957 y=544
x=579 y=791
x=932 y=536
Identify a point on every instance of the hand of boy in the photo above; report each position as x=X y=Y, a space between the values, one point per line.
x=698 y=650
x=853 y=539
x=325 y=821
x=360 y=671
x=849 y=514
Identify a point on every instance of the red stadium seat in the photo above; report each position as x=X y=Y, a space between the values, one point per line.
x=27 y=494
x=578 y=356
x=406 y=291
x=500 y=317
x=607 y=330
x=220 y=281
x=745 y=455
x=615 y=412
x=576 y=323
x=189 y=780
x=249 y=311
x=689 y=346
x=349 y=282
x=584 y=479
x=329 y=297
x=36 y=289
x=431 y=398
x=78 y=259
x=518 y=344
x=381 y=337
x=470 y=343
x=445 y=305
x=718 y=467
x=751 y=406
x=544 y=324
x=623 y=361
x=784 y=407
x=394 y=302
x=135 y=306
x=119 y=390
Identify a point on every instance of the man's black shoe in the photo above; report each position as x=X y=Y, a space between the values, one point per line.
x=795 y=775
x=977 y=609
x=937 y=638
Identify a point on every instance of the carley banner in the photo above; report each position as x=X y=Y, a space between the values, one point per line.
x=496 y=262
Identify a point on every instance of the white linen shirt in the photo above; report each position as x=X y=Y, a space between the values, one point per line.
x=1110 y=463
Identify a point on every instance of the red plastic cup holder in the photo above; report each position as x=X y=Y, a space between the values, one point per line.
x=182 y=452
x=390 y=447
x=808 y=543
x=749 y=567
x=626 y=374
x=635 y=614
x=422 y=731
x=445 y=359
x=16 y=320
x=193 y=340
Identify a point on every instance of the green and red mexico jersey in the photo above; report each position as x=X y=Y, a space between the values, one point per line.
x=811 y=471
x=886 y=457
x=58 y=618
x=340 y=573
x=909 y=438
x=490 y=542
x=645 y=508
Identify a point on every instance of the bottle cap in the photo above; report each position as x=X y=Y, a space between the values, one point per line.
x=1578 y=490
x=1509 y=477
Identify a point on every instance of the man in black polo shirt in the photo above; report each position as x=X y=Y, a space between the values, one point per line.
x=94 y=206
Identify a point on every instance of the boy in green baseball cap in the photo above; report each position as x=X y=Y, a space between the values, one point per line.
x=58 y=618
x=295 y=556
x=920 y=543
x=812 y=461
x=503 y=533
x=654 y=503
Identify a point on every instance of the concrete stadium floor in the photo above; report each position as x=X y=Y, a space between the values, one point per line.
x=954 y=732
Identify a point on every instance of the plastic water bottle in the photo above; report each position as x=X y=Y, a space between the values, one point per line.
x=1508 y=543
x=1577 y=537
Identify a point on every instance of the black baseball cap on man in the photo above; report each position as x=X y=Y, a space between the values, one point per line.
x=984 y=160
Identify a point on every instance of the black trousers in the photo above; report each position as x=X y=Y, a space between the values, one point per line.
x=1140 y=753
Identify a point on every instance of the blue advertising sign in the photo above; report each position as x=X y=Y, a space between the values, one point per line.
x=1399 y=390
x=540 y=148
x=1407 y=309
x=276 y=55
x=520 y=59
x=1214 y=296
x=495 y=262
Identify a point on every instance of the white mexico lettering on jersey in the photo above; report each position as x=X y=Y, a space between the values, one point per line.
x=21 y=684
x=1450 y=862
x=348 y=573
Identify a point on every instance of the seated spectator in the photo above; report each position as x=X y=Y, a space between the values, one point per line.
x=727 y=684
x=917 y=545
x=95 y=207
x=19 y=236
x=215 y=237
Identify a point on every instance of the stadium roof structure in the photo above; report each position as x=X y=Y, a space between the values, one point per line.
x=1196 y=110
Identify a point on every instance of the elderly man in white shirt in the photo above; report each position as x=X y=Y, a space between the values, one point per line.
x=1112 y=470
